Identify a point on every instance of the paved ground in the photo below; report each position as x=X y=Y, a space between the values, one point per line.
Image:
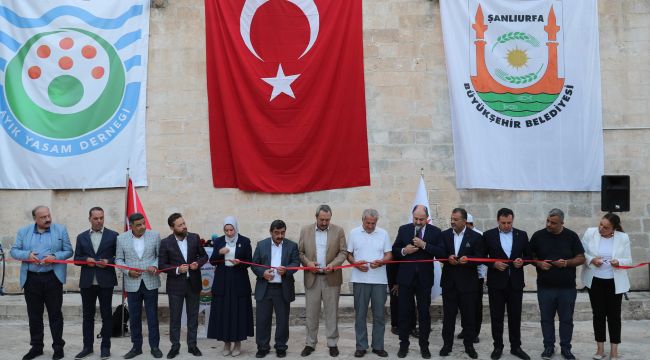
x=14 y=342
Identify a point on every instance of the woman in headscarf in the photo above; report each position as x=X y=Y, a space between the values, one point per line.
x=231 y=312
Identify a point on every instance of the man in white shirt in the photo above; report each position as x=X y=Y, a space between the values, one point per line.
x=322 y=247
x=481 y=272
x=369 y=247
x=181 y=257
x=138 y=249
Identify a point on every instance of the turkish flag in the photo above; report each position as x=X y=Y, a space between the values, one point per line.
x=286 y=95
x=133 y=205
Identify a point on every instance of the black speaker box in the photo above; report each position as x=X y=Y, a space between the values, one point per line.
x=615 y=193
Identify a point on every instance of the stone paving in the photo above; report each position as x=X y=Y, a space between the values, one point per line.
x=14 y=343
x=14 y=336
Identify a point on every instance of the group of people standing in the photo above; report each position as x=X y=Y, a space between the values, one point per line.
x=322 y=248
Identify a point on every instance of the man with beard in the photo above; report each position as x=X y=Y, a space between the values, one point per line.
x=181 y=257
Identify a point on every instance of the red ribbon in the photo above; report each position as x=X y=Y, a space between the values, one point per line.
x=310 y=268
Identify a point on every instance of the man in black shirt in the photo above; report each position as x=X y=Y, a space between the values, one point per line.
x=556 y=280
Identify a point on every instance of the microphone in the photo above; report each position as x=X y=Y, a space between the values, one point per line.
x=417 y=231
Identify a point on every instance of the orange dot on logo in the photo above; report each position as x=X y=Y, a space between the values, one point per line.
x=65 y=63
x=34 y=72
x=43 y=51
x=89 y=52
x=98 y=72
x=66 y=43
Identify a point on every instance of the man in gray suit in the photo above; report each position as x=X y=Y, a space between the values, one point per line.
x=274 y=289
x=138 y=249
x=42 y=281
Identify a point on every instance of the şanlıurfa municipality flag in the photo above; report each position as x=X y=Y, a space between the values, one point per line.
x=72 y=93
x=524 y=82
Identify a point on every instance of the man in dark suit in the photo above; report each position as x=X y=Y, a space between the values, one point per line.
x=181 y=257
x=506 y=281
x=416 y=241
x=459 y=281
x=274 y=288
x=97 y=247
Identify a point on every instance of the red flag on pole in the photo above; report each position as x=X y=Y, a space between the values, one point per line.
x=133 y=205
x=286 y=95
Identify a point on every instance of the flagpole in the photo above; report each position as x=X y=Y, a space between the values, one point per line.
x=126 y=204
x=422 y=172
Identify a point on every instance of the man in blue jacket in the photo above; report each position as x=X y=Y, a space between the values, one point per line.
x=37 y=245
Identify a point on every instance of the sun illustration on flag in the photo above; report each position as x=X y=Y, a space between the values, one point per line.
x=517 y=58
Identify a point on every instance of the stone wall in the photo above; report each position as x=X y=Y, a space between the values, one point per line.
x=408 y=128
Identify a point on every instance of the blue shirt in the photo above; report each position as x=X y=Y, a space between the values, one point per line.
x=41 y=246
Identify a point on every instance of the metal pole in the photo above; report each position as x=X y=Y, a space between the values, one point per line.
x=126 y=201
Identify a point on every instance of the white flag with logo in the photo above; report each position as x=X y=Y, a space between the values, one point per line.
x=524 y=82
x=72 y=93
x=422 y=198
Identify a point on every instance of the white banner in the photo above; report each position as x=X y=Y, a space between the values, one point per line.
x=524 y=82
x=72 y=93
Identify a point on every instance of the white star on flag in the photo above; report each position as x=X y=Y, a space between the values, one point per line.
x=281 y=83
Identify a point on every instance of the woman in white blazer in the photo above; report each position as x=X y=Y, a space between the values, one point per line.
x=606 y=247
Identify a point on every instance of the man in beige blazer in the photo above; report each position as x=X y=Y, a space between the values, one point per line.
x=322 y=245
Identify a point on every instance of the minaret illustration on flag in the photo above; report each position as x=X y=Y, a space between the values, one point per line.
x=133 y=205
x=421 y=198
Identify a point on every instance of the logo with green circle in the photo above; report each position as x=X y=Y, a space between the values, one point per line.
x=65 y=88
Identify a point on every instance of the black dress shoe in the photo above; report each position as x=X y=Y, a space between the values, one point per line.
x=445 y=351
x=33 y=353
x=359 y=353
x=394 y=330
x=496 y=353
x=402 y=353
x=334 y=351
x=476 y=340
x=105 y=353
x=567 y=354
x=471 y=352
x=58 y=355
x=172 y=353
x=84 y=352
x=380 y=353
x=415 y=333
x=133 y=353
x=262 y=353
x=461 y=335
x=518 y=352
x=306 y=351
x=194 y=351
x=281 y=353
x=426 y=354
x=155 y=352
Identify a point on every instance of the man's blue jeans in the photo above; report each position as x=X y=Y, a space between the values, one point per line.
x=561 y=301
